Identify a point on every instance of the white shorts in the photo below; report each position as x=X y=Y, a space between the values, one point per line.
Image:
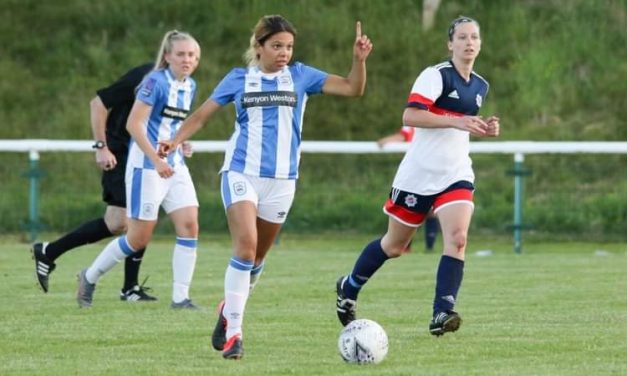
x=146 y=191
x=272 y=197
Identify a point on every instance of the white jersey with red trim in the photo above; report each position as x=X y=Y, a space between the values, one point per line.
x=439 y=157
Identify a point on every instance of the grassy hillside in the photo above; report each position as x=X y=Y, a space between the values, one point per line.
x=556 y=70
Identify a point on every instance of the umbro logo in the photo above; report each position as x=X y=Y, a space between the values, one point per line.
x=453 y=94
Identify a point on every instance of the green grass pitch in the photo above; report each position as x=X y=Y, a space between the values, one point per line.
x=557 y=309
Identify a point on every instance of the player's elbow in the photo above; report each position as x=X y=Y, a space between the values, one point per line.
x=96 y=104
x=131 y=123
x=414 y=117
x=357 y=89
x=130 y=128
x=407 y=119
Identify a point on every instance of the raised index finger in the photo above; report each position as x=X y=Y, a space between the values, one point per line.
x=358 y=30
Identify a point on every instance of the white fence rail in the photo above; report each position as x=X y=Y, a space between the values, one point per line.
x=517 y=148
x=348 y=147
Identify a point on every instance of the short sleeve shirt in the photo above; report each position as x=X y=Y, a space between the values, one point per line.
x=439 y=157
x=118 y=98
x=269 y=112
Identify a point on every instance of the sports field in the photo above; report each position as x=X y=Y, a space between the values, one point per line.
x=557 y=309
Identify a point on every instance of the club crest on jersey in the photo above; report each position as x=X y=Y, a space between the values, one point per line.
x=147 y=87
x=479 y=100
x=285 y=80
x=410 y=201
x=148 y=210
x=239 y=188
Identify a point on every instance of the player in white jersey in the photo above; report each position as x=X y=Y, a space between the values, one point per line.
x=261 y=161
x=162 y=102
x=435 y=175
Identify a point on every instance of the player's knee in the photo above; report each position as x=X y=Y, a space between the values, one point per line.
x=246 y=246
x=116 y=226
x=138 y=242
x=394 y=249
x=459 y=240
x=190 y=228
x=394 y=246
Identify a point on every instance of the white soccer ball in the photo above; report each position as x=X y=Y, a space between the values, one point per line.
x=363 y=341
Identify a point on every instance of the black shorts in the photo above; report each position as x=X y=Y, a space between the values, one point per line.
x=113 y=186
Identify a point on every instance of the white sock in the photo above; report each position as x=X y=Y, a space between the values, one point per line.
x=236 y=286
x=255 y=274
x=183 y=264
x=117 y=250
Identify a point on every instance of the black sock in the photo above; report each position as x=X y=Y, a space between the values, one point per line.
x=431 y=231
x=89 y=232
x=448 y=281
x=131 y=269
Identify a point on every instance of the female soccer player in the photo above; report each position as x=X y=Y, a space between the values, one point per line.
x=162 y=102
x=435 y=174
x=109 y=110
x=262 y=156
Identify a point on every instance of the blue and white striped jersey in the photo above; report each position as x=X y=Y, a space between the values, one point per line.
x=171 y=101
x=269 y=110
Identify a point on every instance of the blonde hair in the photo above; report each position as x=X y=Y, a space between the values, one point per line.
x=266 y=27
x=167 y=43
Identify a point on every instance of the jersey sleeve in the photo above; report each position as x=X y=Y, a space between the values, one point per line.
x=426 y=90
x=123 y=90
x=149 y=90
x=225 y=92
x=313 y=77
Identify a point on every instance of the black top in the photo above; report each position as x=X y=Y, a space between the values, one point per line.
x=118 y=98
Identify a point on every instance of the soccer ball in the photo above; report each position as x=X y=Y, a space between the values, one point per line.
x=363 y=341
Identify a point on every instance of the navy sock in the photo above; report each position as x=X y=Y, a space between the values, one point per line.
x=131 y=269
x=89 y=232
x=449 y=279
x=431 y=231
x=370 y=260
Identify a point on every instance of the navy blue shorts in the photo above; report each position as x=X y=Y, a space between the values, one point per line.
x=411 y=209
